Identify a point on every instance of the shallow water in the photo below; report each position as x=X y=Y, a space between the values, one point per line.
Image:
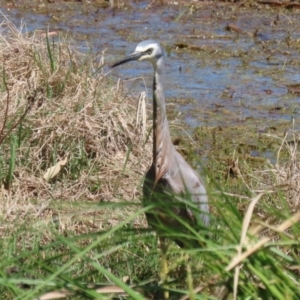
x=216 y=76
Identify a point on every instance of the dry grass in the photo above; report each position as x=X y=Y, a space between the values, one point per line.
x=288 y=173
x=281 y=176
x=74 y=116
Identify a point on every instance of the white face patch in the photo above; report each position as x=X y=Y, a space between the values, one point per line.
x=150 y=50
x=142 y=48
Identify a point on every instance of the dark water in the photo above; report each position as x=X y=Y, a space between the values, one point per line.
x=221 y=78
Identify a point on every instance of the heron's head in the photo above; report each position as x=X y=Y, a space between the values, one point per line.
x=147 y=50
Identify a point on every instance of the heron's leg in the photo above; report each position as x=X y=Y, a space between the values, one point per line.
x=164 y=265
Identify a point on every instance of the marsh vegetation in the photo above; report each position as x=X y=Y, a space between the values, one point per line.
x=74 y=145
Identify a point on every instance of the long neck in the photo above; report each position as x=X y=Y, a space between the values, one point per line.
x=162 y=144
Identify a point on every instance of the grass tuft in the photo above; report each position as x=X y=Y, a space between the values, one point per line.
x=73 y=115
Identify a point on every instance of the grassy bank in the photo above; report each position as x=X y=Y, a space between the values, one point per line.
x=74 y=149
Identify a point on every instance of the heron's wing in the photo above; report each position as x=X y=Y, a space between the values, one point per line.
x=183 y=181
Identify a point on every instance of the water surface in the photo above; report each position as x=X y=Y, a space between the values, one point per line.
x=216 y=76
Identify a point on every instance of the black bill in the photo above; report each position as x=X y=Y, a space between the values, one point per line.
x=133 y=56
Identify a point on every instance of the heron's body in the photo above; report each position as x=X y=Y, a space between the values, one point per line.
x=170 y=178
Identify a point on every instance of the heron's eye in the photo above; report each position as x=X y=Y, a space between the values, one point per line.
x=149 y=51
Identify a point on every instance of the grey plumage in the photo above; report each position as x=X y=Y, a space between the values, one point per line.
x=170 y=179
